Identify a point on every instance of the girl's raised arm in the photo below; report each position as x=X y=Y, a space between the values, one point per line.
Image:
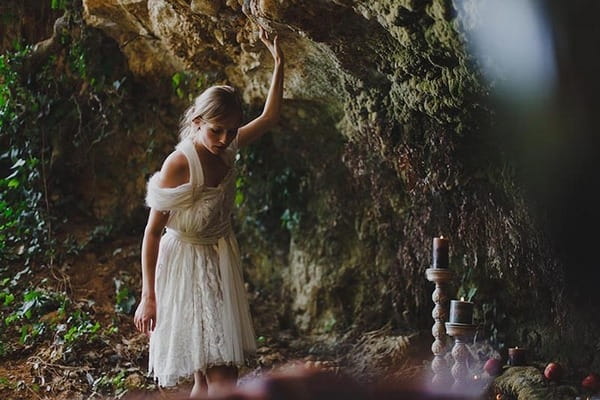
x=270 y=115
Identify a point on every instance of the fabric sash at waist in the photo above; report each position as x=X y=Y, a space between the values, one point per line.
x=201 y=238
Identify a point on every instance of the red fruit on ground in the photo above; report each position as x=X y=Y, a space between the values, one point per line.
x=553 y=372
x=493 y=366
x=591 y=382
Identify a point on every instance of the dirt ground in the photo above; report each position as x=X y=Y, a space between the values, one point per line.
x=114 y=363
x=120 y=355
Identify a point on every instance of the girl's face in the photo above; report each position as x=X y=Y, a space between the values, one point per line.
x=216 y=135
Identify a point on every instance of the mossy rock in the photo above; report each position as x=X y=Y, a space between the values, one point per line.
x=528 y=383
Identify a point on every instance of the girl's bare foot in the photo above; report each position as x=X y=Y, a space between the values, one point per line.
x=200 y=387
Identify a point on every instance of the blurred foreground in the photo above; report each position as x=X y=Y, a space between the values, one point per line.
x=300 y=383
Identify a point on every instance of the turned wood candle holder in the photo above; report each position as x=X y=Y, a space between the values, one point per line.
x=462 y=334
x=441 y=277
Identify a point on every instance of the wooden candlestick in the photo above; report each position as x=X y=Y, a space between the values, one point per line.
x=441 y=277
x=461 y=333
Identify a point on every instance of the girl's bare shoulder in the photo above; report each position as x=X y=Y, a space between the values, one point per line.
x=175 y=170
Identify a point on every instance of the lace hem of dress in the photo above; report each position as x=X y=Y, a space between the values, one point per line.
x=167 y=380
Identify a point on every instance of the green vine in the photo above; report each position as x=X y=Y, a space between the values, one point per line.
x=24 y=223
x=59 y=4
x=61 y=106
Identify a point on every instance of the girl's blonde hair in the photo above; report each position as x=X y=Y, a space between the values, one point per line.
x=214 y=104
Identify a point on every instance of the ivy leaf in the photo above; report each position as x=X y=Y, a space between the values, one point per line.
x=176 y=80
x=19 y=163
x=239 y=198
x=8 y=299
x=471 y=293
x=15 y=173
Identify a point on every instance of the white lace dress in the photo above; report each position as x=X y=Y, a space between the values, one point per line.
x=202 y=313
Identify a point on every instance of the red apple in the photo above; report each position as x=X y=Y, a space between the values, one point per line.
x=493 y=366
x=591 y=382
x=553 y=372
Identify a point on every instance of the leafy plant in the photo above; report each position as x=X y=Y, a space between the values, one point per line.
x=467 y=292
x=125 y=300
x=187 y=85
x=101 y=233
x=329 y=325
x=72 y=246
x=29 y=332
x=108 y=383
x=80 y=326
x=23 y=220
x=25 y=317
x=67 y=97
x=36 y=302
x=7 y=298
x=290 y=219
x=6 y=383
x=467 y=285
x=59 y=4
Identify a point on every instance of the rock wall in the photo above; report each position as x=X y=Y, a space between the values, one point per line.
x=384 y=143
x=391 y=90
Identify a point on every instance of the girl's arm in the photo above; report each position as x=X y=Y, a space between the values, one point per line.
x=270 y=115
x=174 y=172
x=145 y=314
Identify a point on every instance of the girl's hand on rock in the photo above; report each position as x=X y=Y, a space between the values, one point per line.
x=272 y=45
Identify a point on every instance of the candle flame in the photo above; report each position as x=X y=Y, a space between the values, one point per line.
x=441 y=236
x=462 y=298
x=516 y=347
x=475 y=377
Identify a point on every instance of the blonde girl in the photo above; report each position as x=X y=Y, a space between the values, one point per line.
x=193 y=304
